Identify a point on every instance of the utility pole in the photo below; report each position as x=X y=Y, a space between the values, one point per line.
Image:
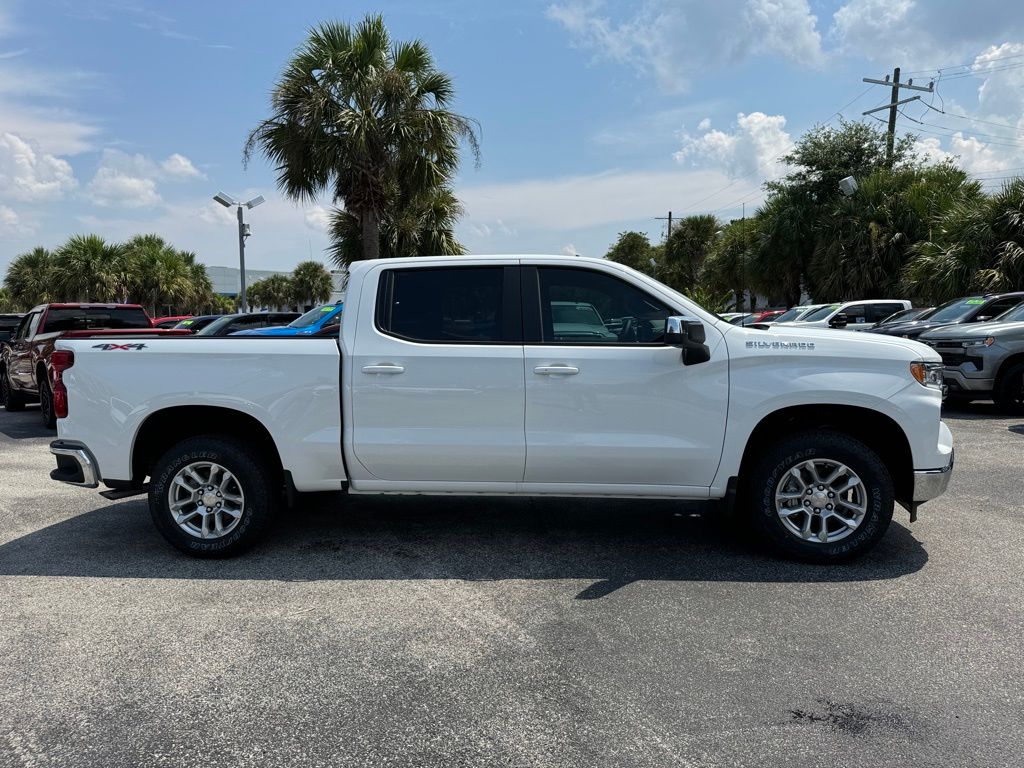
x=893 y=105
x=662 y=218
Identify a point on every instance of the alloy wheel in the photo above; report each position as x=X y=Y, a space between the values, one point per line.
x=821 y=500
x=206 y=500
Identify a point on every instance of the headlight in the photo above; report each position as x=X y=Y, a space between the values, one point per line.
x=928 y=374
x=988 y=341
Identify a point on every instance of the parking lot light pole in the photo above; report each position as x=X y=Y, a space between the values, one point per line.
x=243 y=232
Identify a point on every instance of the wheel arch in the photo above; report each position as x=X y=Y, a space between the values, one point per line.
x=1006 y=365
x=169 y=426
x=875 y=429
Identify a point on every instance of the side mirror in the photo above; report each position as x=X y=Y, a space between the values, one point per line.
x=689 y=336
x=839 y=321
x=982 y=318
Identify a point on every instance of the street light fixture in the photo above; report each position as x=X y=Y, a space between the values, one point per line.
x=243 y=232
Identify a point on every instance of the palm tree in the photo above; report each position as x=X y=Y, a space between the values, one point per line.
x=85 y=268
x=274 y=292
x=312 y=282
x=423 y=225
x=686 y=249
x=976 y=245
x=29 y=278
x=359 y=119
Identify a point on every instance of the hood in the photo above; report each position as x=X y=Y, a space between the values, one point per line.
x=834 y=340
x=974 y=330
x=913 y=329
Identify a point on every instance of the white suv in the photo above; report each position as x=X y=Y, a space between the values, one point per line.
x=856 y=315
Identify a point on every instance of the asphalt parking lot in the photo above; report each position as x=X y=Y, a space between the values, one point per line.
x=473 y=632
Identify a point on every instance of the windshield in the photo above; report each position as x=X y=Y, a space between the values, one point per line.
x=313 y=317
x=216 y=325
x=821 y=314
x=790 y=314
x=86 y=318
x=954 y=310
x=1015 y=315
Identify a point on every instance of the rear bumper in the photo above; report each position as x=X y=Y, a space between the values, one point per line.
x=75 y=464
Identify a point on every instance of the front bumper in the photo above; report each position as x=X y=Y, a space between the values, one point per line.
x=931 y=483
x=75 y=464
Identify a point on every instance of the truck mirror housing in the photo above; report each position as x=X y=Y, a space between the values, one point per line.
x=688 y=335
x=839 y=321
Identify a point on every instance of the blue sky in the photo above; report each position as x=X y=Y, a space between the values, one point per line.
x=125 y=117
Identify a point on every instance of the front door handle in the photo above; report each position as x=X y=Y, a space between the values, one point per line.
x=556 y=370
x=387 y=368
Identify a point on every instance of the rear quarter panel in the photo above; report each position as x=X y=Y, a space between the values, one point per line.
x=289 y=385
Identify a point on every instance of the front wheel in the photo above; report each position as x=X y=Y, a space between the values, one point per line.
x=821 y=496
x=1009 y=394
x=212 y=496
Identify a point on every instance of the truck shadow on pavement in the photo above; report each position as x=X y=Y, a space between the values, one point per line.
x=331 y=537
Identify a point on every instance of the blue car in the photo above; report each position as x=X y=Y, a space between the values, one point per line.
x=307 y=325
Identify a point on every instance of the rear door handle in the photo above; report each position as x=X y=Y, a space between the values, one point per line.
x=556 y=370
x=388 y=368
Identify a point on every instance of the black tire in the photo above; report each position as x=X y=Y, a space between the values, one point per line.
x=46 y=404
x=12 y=399
x=256 y=477
x=1009 y=394
x=792 y=452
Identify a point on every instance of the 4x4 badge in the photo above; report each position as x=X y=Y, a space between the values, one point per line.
x=108 y=347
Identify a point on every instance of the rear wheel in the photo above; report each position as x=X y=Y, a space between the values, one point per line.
x=1009 y=394
x=821 y=496
x=10 y=398
x=46 y=404
x=213 y=496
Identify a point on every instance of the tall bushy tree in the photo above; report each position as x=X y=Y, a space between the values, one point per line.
x=634 y=250
x=728 y=265
x=977 y=244
x=29 y=278
x=272 y=291
x=311 y=281
x=687 y=248
x=362 y=120
x=84 y=268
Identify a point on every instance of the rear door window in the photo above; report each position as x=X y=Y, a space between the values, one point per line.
x=447 y=305
x=88 y=318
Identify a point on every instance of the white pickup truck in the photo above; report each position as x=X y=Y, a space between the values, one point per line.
x=527 y=375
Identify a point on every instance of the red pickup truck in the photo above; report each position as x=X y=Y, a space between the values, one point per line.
x=26 y=373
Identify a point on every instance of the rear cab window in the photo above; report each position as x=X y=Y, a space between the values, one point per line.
x=87 y=318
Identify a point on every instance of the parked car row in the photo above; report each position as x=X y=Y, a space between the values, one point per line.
x=28 y=371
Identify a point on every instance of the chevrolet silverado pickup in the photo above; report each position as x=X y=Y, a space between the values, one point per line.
x=469 y=375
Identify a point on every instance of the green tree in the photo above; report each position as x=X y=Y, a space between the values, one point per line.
x=85 y=269
x=272 y=292
x=864 y=242
x=977 y=244
x=634 y=250
x=30 y=278
x=7 y=302
x=422 y=224
x=312 y=282
x=363 y=122
x=727 y=267
x=686 y=250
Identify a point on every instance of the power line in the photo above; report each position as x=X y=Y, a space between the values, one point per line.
x=1013 y=128
x=968 y=64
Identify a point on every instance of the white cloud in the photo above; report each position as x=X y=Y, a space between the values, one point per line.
x=56 y=131
x=677 y=40
x=130 y=180
x=27 y=173
x=922 y=34
x=111 y=187
x=11 y=223
x=179 y=167
x=318 y=218
x=569 y=249
x=754 y=148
